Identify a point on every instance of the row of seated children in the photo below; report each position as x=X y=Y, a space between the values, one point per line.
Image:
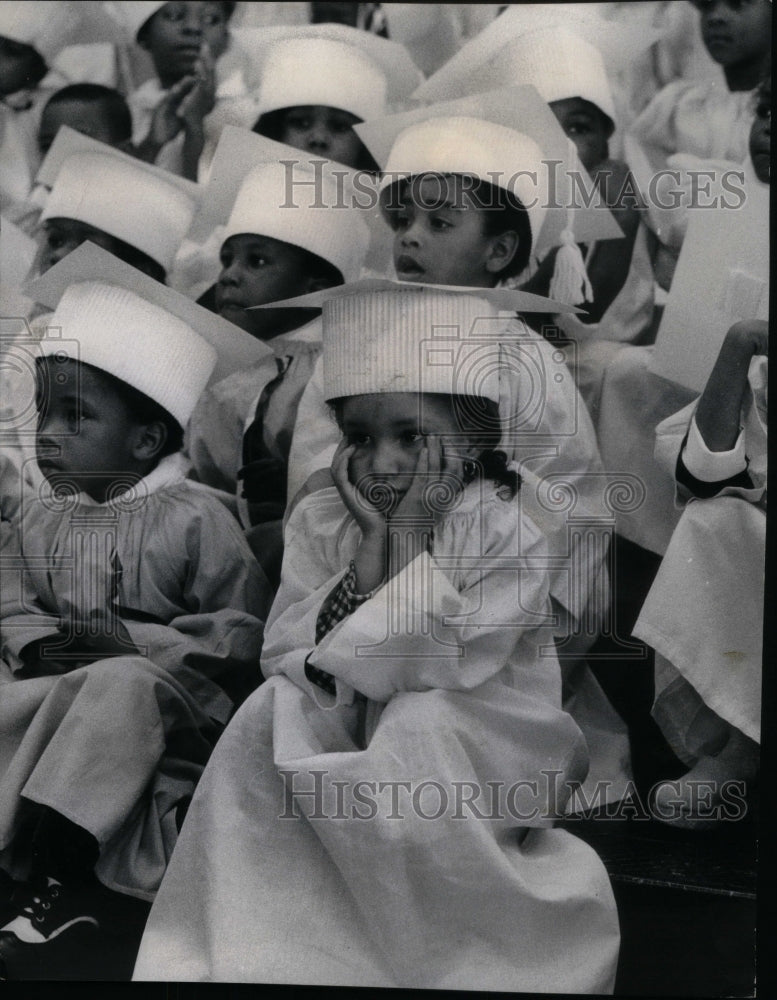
x=483 y=254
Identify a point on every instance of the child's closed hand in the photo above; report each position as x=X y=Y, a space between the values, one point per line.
x=748 y=338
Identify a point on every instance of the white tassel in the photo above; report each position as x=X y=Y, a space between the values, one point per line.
x=570 y=283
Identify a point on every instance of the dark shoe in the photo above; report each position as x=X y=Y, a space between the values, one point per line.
x=51 y=926
x=13 y=895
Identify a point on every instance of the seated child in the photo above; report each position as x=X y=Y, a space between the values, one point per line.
x=144 y=228
x=315 y=89
x=456 y=234
x=569 y=73
x=708 y=649
x=707 y=120
x=141 y=630
x=91 y=109
x=422 y=527
x=199 y=82
x=269 y=253
x=31 y=34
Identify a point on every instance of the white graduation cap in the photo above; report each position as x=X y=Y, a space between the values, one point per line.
x=47 y=27
x=505 y=299
x=137 y=202
x=234 y=348
x=722 y=276
x=523 y=127
x=564 y=50
x=328 y=64
x=257 y=185
x=392 y=336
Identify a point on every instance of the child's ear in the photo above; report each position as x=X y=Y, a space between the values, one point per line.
x=149 y=440
x=501 y=251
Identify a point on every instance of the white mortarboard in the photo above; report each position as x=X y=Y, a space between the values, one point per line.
x=722 y=277
x=47 y=27
x=521 y=111
x=234 y=348
x=250 y=190
x=390 y=336
x=328 y=64
x=564 y=50
x=143 y=205
x=131 y=15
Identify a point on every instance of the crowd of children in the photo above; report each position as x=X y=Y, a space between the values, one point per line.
x=346 y=349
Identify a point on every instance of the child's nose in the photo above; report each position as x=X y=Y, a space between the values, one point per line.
x=191 y=23
x=411 y=235
x=318 y=139
x=717 y=12
x=230 y=274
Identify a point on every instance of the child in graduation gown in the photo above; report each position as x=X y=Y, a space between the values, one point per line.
x=138 y=628
x=452 y=689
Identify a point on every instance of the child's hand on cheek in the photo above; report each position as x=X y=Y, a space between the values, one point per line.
x=370 y=558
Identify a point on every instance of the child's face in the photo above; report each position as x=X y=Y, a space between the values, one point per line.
x=61 y=236
x=327 y=132
x=387 y=431
x=257 y=270
x=84 y=431
x=174 y=35
x=586 y=126
x=16 y=64
x=736 y=31
x=85 y=117
x=439 y=235
x=761 y=138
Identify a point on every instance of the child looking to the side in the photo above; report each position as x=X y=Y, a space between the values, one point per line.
x=142 y=628
x=199 y=82
x=276 y=245
x=402 y=651
x=144 y=228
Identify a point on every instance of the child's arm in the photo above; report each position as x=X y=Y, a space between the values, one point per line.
x=197 y=103
x=718 y=413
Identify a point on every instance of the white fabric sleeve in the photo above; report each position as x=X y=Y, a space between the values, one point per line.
x=712 y=466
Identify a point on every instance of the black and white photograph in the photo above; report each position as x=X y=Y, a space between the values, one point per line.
x=383 y=475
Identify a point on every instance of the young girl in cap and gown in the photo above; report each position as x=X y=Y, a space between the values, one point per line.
x=201 y=80
x=405 y=656
x=548 y=430
x=320 y=80
x=140 y=623
x=281 y=230
x=570 y=60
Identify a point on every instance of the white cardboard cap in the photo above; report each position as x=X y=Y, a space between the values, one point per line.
x=133 y=14
x=553 y=63
x=306 y=202
x=462 y=145
x=235 y=350
x=143 y=205
x=344 y=68
x=522 y=111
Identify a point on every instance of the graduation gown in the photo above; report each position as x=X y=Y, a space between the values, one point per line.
x=118 y=744
x=456 y=687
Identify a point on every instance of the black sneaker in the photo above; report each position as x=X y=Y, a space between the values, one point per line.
x=52 y=922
